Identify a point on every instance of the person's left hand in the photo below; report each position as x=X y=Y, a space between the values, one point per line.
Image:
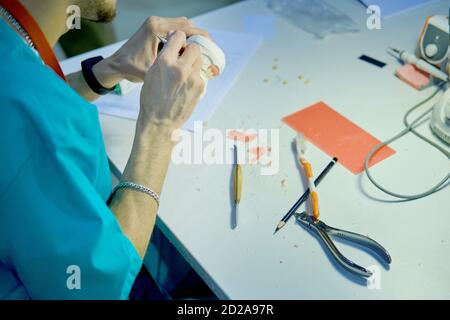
x=135 y=57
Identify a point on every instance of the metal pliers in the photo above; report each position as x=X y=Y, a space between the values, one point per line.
x=325 y=232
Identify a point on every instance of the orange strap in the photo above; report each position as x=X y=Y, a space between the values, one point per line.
x=27 y=22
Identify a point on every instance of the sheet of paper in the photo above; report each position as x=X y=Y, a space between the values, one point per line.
x=263 y=25
x=393 y=7
x=239 y=49
x=337 y=136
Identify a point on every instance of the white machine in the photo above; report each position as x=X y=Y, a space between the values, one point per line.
x=434 y=47
x=440 y=119
x=433 y=43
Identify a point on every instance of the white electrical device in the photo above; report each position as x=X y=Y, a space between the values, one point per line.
x=434 y=47
x=434 y=40
x=440 y=119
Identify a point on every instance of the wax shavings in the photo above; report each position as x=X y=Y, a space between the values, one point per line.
x=241 y=136
x=259 y=152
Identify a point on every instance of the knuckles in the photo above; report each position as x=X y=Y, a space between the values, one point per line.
x=195 y=49
x=206 y=34
x=152 y=22
x=179 y=34
x=185 y=21
x=198 y=83
x=179 y=73
x=164 y=62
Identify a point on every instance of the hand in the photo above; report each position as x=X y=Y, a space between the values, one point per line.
x=173 y=85
x=134 y=58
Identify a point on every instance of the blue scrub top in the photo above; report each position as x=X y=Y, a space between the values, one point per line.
x=58 y=238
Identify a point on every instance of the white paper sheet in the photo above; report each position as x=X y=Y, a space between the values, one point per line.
x=239 y=49
x=393 y=7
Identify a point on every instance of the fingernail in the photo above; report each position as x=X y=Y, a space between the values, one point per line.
x=170 y=33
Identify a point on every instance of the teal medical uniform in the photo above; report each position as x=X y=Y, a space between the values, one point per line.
x=58 y=238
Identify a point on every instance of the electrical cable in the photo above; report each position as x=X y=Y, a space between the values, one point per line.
x=409 y=127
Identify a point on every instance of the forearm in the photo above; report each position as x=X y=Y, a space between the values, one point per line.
x=104 y=71
x=171 y=90
x=147 y=165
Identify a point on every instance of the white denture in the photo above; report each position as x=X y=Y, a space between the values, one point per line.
x=212 y=55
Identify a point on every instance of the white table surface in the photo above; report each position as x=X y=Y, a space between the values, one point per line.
x=251 y=263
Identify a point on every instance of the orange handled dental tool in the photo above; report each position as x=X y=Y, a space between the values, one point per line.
x=300 y=144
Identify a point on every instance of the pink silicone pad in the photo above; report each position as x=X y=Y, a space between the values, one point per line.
x=414 y=77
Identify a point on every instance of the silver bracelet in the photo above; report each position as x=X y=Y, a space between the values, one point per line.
x=137 y=187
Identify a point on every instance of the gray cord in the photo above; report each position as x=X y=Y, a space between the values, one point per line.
x=409 y=128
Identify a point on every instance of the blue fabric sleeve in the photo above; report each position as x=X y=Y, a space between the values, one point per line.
x=56 y=219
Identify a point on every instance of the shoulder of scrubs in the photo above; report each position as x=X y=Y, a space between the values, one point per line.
x=58 y=238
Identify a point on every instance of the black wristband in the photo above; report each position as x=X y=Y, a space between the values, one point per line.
x=91 y=80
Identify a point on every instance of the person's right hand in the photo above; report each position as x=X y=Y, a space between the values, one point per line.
x=135 y=57
x=172 y=86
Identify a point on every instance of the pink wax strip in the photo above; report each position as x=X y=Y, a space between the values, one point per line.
x=413 y=76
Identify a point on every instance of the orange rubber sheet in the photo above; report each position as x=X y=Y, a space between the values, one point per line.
x=337 y=136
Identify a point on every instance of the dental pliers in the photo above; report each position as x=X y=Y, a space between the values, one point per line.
x=325 y=232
